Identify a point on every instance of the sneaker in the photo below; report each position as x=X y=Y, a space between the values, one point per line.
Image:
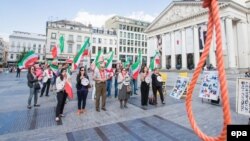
x=41 y=95
x=62 y=115
x=36 y=105
x=57 y=119
x=29 y=107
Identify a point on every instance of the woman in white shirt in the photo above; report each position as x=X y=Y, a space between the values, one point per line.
x=123 y=83
x=145 y=82
x=61 y=94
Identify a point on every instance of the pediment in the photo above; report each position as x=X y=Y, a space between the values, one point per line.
x=176 y=11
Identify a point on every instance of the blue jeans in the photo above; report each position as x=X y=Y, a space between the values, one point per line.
x=116 y=88
x=134 y=85
x=109 y=86
x=33 y=92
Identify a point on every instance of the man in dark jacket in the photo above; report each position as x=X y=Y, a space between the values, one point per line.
x=157 y=85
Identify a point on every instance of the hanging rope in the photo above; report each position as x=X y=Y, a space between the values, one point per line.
x=214 y=21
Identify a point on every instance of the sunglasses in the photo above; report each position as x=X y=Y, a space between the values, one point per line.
x=82 y=70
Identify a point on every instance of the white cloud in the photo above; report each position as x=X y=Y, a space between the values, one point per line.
x=97 y=20
x=141 y=15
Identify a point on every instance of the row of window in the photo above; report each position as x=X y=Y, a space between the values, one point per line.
x=70 y=37
x=105 y=49
x=132 y=50
x=104 y=41
x=13 y=44
x=20 y=49
x=130 y=28
x=132 y=36
x=133 y=43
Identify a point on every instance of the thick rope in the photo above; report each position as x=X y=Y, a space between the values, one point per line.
x=214 y=21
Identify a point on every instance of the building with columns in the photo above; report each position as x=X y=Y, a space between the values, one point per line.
x=179 y=32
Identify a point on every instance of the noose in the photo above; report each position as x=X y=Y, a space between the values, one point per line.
x=214 y=21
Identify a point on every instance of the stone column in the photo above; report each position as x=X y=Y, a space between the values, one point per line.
x=149 y=47
x=183 y=49
x=173 y=65
x=242 y=44
x=196 y=46
x=212 y=56
x=163 y=56
x=230 y=43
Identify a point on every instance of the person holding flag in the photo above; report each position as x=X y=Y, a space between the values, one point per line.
x=61 y=93
x=47 y=76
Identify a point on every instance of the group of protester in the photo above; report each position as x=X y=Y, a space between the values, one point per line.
x=40 y=79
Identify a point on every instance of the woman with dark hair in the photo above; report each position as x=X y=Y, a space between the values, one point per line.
x=145 y=82
x=82 y=83
x=32 y=79
x=61 y=94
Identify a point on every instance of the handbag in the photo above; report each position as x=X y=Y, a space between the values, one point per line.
x=37 y=86
x=128 y=89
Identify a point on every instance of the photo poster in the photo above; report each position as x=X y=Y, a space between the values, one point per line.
x=243 y=96
x=210 y=87
x=180 y=87
x=159 y=43
x=202 y=29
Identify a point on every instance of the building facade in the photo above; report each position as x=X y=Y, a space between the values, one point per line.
x=74 y=33
x=23 y=42
x=2 y=51
x=130 y=37
x=179 y=32
x=104 y=39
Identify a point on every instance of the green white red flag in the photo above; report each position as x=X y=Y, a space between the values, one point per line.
x=155 y=62
x=68 y=89
x=78 y=57
x=53 y=67
x=136 y=66
x=58 y=48
x=29 y=59
x=109 y=61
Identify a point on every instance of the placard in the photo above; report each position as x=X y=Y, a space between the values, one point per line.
x=210 y=85
x=180 y=87
x=243 y=96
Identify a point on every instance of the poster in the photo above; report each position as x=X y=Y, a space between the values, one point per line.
x=180 y=87
x=210 y=85
x=243 y=96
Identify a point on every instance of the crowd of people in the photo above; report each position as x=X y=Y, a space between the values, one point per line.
x=40 y=79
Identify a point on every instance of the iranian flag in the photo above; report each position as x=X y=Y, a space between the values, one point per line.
x=68 y=89
x=77 y=58
x=29 y=59
x=54 y=68
x=58 y=49
x=87 y=49
x=99 y=58
x=109 y=62
x=137 y=66
x=155 y=62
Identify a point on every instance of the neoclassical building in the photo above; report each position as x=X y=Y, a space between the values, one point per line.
x=179 y=32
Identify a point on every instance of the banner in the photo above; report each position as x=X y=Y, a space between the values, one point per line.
x=210 y=85
x=243 y=96
x=180 y=87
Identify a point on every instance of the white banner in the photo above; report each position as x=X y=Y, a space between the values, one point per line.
x=210 y=85
x=180 y=87
x=243 y=96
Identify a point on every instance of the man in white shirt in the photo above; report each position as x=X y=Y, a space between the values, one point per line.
x=47 y=75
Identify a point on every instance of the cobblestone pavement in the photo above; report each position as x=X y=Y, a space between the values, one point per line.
x=152 y=123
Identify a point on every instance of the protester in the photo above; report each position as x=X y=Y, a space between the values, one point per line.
x=123 y=84
x=133 y=82
x=145 y=82
x=61 y=94
x=157 y=85
x=100 y=77
x=32 y=80
x=47 y=75
x=82 y=85
x=39 y=74
x=117 y=71
x=18 y=72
